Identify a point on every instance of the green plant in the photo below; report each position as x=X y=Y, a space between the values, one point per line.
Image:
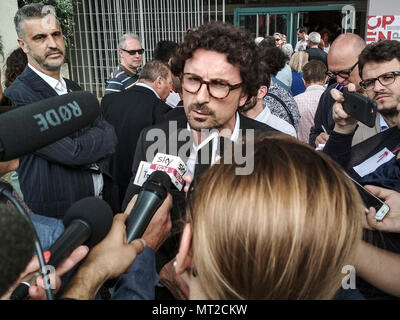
x=64 y=11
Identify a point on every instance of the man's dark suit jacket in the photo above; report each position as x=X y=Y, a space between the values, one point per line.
x=54 y=177
x=317 y=54
x=129 y=112
x=173 y=129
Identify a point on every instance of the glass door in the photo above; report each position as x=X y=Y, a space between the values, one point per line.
x=261 y=25
x=265 y=21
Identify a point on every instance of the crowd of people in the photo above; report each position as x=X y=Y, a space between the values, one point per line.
x=284 y=230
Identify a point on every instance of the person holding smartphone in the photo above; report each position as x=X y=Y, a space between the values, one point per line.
x=374 y=161
x=385 y=272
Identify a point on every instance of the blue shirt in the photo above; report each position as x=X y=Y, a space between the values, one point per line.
x=297 y=83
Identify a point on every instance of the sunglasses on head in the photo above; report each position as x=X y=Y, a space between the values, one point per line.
x=133 y=52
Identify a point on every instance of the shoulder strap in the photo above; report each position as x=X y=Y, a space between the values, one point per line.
x=284 y=106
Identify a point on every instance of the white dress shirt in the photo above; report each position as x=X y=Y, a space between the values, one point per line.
x=215 y=137
x=58 y=85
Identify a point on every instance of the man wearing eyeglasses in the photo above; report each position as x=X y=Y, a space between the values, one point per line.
x=375 y=160
x=342 y=68
x=130 y=52
x=218 y=65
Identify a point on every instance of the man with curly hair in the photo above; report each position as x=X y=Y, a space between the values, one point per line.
x=218 y=67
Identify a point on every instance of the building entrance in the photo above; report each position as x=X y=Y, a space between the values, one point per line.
x=336 y=19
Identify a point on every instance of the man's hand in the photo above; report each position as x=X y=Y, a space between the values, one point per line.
x=36 y=291
x=7 y=166
x=391 y=223
x=113 y=256
x=159 y=228
x=321 y=139
x=344 y=123
x=107 y=260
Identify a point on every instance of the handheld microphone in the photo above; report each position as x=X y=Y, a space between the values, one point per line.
x=87 y=222
x=31 y=127
x=165 y=171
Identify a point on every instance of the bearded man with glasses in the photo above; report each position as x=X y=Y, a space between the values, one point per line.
x=130 y=52
x=218 y=65
x=374 y=161
x=343 y=69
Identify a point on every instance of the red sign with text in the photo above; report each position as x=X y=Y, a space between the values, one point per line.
x=383 y=28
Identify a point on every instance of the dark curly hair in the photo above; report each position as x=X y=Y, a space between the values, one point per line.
x=15 y=64
x=383 y=50
x=237 y=44
x=275 y=59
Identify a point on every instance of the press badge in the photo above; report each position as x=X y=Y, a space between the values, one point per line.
x=371 y=164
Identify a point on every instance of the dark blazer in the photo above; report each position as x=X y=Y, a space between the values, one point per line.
x=129 y=112
x=177 y=138
x=54 y=177
x=317 y=54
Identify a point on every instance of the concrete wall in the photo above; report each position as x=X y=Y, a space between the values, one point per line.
x=383 y=7
x=8 y=8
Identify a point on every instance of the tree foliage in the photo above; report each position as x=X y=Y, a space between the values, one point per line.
x=64 y=11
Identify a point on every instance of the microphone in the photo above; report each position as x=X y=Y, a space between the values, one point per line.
x=165 y=171
x=31 y=127
x=87 y=222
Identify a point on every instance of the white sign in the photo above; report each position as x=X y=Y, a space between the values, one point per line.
x=383 y=28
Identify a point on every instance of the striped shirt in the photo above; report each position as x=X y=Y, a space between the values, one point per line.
x=120 y=80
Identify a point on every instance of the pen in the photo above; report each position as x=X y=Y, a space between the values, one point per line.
x=323 y=128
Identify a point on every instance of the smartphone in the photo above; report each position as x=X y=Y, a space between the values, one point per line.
x=370 y=200
x=359 y=107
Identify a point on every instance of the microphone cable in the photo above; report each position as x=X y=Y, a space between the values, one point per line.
x=38 y=248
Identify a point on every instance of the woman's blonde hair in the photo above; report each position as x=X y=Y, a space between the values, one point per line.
x=298 y=60
x=283 y=232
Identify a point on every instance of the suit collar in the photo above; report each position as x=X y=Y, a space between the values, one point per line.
x=52 y=82
x=37 y=84
x=143 y=85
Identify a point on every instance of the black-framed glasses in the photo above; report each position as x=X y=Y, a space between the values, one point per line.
x=218 y=89
x=384 y=79
x=345 y=74
x=133 y=52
